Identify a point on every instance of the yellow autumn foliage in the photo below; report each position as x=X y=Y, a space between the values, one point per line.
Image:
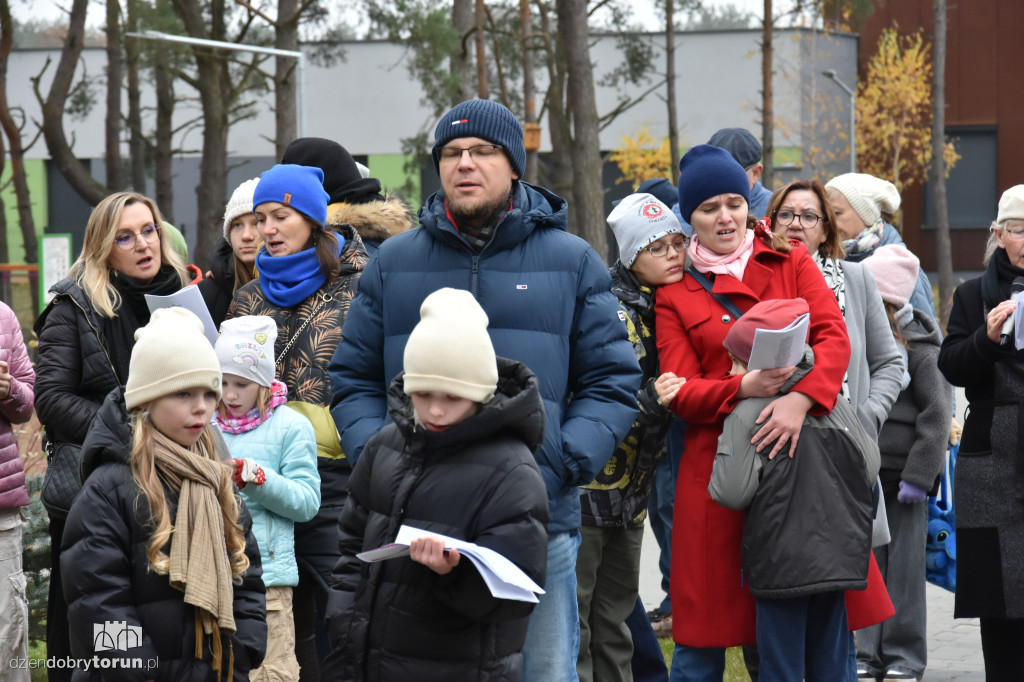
x=639 y=159
x=894 y=111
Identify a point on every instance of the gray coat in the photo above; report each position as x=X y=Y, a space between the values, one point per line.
x=876 y=368
x=914 y=439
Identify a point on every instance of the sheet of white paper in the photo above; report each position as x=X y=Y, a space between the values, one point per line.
x=779 y=348
x=504 y=579
x=190 y=299
x=1018 y=327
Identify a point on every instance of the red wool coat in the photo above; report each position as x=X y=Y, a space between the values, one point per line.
x=710 y=599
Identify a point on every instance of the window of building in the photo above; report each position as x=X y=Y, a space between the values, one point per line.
x=972 y=189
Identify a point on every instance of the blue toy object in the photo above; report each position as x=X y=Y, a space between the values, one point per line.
x=940 y=549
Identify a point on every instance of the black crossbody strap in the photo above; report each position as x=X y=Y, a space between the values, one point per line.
x=721 y=298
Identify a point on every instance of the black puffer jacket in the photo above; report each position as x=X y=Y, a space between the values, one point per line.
x=397 y=619
x=75 y=370
x=219 y=289
x=107 y=578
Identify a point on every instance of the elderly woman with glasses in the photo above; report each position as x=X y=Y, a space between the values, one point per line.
x=86 y=335
x=989 y=491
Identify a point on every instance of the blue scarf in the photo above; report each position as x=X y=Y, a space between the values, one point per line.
x=289 y=280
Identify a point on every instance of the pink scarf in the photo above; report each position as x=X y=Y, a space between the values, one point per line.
x=252 y=419
x=706 y=260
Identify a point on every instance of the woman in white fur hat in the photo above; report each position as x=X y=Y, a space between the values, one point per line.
x=989 y=491
x=233 y=258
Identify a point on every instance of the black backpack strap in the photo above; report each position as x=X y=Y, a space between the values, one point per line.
x=721 y=298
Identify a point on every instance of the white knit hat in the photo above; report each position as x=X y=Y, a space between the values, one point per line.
x=240 y=203
x=895 y=270
x=639 y=220
x=1011 y=204
x=245 y=348
x=171 y=354
x=450 y=350
x=869 y=196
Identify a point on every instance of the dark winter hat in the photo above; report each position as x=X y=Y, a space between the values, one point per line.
x=487 y=120
x=662 y=189
x=342 y=178
x=297 y=187
x=707 y=171
x=774 y=314
x=739 y=142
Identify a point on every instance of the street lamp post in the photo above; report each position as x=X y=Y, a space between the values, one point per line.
x=298 y=55
x=831 y=73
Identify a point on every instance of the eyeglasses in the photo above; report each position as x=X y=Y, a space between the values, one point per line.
x=126 y=240
x=807 y=220
x=1013 y=230
x=480 y=152
x=659 y=250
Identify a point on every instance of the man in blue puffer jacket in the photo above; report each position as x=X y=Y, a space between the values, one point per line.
x=549 y=300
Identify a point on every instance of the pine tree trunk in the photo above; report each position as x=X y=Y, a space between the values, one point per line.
x=113 y=122
x=286 y=37
x=670 y=90
x=136 y=137
x=163 y=173
x=529 y=88
x=587 y=191
x=57 y=145
x=461 y=64
x=943 y=247
x=767 y=104
x=482 y=90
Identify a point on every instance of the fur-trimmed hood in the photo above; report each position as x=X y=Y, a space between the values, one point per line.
x=374 y=220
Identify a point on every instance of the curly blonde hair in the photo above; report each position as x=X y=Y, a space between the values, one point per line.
x=91 y=268
x=143 y=466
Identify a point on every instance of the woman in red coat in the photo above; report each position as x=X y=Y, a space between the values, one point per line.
x=747 y=264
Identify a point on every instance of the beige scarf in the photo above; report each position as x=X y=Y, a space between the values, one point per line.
x=199 y=562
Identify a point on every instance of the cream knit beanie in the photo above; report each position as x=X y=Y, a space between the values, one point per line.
x=869 y=196
x=1011 y=205
x=245 y=348
x=240 y=203
x=171 y=354
x=895 y=270
x=450 y=350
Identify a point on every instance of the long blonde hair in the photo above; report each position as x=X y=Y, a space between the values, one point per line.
x=143 y=465
x=91 y=268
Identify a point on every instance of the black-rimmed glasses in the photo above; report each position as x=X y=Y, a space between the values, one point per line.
x=807 y=219
x=479 y=152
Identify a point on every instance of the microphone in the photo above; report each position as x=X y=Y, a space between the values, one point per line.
x=1006 y=335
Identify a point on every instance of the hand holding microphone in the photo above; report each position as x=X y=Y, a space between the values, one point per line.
x=1009 y=309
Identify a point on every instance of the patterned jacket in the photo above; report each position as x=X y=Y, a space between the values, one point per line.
x=304 y=370
x=618 y=494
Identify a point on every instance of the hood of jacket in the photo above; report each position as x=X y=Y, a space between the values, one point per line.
x=516 y=407
x=628 y=289
x=110 y=436
x=532 y=208
x=922 y=328
x=353 y=256
x=374 y=220
x=222 y=261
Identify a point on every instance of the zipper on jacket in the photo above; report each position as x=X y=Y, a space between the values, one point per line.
x=475 y=276
x=270 y=534
x=98 y=337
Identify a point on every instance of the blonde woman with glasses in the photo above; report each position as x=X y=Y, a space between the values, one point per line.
x=86 y=335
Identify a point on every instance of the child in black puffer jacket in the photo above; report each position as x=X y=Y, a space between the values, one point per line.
x=456 y=461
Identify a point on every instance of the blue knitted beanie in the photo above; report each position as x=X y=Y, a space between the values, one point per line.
x=706 y=171
x=297 y=187
x=487 y=120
